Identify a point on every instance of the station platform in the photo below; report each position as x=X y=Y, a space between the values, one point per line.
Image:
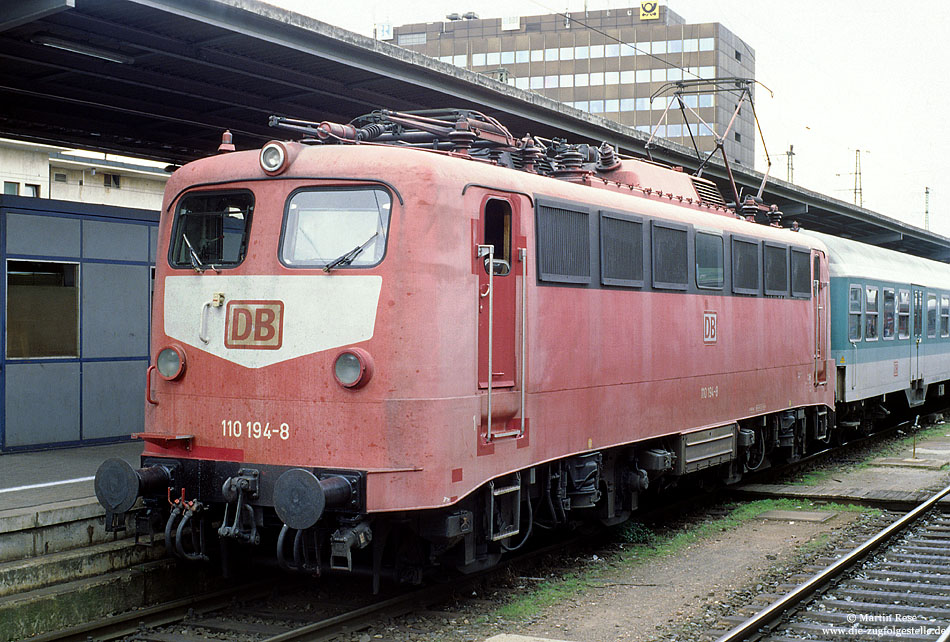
x=55 y=476
x=900 y=481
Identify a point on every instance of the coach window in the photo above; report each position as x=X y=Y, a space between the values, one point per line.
x=776 y=269
x=336 y=228
x=709 y=261
x=42 y=309
x=745 y=267
x=670 y=256
x=931 y=315
x=854 y=313
x=887 y=327
x=870 y=313
x=621 y=250
x=944 y=315
x=211 y=229
x=903 y=314
x=498 y=234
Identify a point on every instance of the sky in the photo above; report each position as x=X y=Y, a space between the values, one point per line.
x=845 y=75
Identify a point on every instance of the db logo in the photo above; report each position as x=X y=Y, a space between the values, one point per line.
x=709 y=327
x=254 y=325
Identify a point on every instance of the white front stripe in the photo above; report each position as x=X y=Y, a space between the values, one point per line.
x=319 y=312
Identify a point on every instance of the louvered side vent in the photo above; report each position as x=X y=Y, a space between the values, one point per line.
x=707 y=191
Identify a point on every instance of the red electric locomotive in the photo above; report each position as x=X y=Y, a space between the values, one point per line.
x=408 y=340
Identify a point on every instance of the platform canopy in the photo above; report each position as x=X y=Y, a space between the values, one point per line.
x=162 y=79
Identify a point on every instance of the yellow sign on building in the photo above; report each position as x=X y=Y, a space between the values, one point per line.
x=649 y=10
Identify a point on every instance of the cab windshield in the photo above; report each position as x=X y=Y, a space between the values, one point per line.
x=211 y=230
x=332 y=228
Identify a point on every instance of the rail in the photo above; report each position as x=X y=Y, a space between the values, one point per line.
x=773 y=612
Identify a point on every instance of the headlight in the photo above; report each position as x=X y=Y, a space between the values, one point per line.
x=273 y=157
x=170 y=362
x=353 y=368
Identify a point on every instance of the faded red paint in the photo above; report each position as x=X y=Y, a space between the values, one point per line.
x=604 y=367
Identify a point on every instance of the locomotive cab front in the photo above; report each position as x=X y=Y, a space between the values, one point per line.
x=264 y=370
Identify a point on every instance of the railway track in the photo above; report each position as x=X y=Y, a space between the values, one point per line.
x=307 y=611
x=893 y=586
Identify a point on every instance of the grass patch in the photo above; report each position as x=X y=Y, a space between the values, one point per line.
x=641 y=544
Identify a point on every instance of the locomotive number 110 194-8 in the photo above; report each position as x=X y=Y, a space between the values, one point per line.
x=253 y=429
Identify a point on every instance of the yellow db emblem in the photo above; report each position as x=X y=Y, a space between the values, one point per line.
x=649 y=10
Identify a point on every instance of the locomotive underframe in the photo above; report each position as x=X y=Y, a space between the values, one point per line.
x=234 y=503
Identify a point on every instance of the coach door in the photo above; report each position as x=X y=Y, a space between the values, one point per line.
x=917 y=332
x=500 y=261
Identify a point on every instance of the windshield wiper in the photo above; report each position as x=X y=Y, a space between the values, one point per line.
x=195 y=261
x=350 y=256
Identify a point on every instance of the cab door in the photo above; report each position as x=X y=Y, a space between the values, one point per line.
x=820 y=301
x=497 y=293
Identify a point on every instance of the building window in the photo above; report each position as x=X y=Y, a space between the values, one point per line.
x=870 y=313
x=854 y=313
x=931 y=315
x=507 y=57
x=478 y=60
x=596 y=51
x=566 y=53
x=945 y=316
x=550 y=54
x=903 y=314
x=493 y=59
x=707 y=44
x=407 y=39
x=522 y=55
x=111 y=180
x=11 y=188
x=709 y=261
x=59 y=178
x=32 y=190
x=738 y=55
x=42 y=309
x=887 y=330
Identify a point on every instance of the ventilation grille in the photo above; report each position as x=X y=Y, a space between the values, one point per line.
x=708 y=192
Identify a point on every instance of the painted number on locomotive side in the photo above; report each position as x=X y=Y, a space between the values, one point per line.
x=709 y=392
x=253 y=429
x=710 y=327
